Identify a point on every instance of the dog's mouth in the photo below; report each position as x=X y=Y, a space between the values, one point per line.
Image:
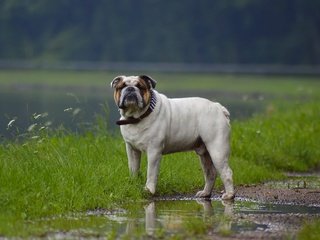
x=129 y=100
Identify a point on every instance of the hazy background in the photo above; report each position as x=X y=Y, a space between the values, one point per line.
x=188 y=31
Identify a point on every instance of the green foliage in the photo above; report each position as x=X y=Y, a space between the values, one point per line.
x=162 y=31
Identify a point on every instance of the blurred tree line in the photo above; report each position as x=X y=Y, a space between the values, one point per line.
x=205 y=31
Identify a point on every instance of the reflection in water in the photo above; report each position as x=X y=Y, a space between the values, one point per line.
x=163 y=218
x=181 y=218
x=174 y=217
x=150 y=218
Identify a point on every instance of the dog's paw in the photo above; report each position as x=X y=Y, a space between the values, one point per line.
x=203 y=194
x=150 y=188
x=228 y=196
x=146 y=194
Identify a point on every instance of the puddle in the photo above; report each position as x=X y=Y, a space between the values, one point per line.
x=182 y=218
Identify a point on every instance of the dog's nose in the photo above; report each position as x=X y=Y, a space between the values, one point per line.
x=130 y=89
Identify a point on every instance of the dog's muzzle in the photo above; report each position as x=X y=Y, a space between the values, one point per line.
x=129 y=98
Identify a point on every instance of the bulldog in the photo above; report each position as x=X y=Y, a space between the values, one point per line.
x=152 y=123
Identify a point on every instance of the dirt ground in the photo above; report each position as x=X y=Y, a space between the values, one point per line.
x=263 y=193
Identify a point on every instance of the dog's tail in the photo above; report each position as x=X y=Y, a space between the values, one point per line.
x=226 y=113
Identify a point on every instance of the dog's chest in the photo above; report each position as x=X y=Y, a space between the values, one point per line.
x=135 y=136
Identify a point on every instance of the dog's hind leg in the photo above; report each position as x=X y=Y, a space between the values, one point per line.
x=209 y=172
x=219 y=152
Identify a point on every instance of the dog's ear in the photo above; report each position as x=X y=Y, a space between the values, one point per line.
x=149 y=81
x=116 y=81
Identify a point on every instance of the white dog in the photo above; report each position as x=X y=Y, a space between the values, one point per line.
x=152 y=123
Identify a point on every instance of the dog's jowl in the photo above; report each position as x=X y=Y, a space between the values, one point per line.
x=152 y=123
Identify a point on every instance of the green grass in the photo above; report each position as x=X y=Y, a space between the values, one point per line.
x=284 y=138
x=59 y=172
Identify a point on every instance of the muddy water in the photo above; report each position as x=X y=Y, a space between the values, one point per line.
x=186 y=218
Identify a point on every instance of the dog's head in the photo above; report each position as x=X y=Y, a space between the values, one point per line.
x=132 y=93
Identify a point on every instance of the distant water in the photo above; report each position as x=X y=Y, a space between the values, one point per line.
x=23 y=110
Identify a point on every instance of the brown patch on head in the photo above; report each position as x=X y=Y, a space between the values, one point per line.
x=118 y=84
x=150 y=81
x=116 y=96
x=144 y=90
x=116 y=81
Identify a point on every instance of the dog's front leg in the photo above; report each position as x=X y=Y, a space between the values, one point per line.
x=154 y=157
x=134 y=158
